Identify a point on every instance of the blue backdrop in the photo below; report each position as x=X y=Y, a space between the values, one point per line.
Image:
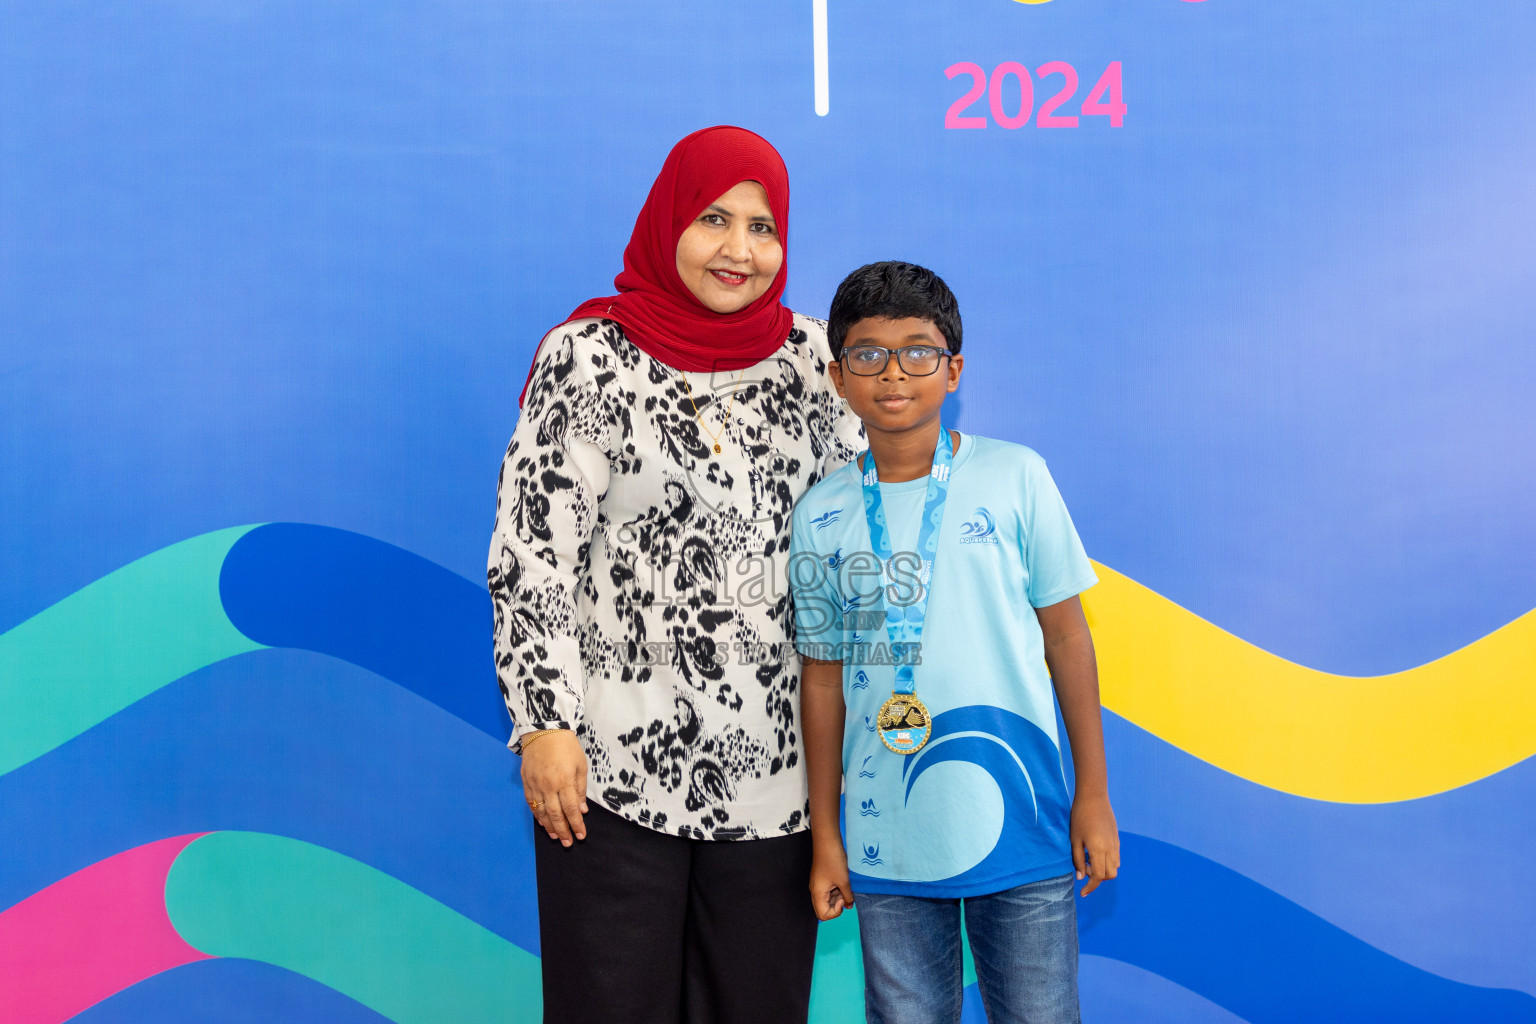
x=288 y=263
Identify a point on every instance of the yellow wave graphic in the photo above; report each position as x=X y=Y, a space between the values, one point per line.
x=1347 y=739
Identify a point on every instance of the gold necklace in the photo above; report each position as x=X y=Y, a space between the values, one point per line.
x=715 y=437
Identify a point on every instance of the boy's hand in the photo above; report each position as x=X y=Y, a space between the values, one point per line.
x=1095 y=840
x=831 y=890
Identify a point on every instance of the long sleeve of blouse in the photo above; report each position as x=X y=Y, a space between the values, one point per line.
x=554 y=475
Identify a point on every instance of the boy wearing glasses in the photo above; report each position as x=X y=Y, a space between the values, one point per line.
x=935 y=583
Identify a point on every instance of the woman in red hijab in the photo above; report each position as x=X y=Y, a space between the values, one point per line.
x=639 y=576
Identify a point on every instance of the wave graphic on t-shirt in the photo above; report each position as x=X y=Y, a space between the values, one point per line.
x=1026 y=766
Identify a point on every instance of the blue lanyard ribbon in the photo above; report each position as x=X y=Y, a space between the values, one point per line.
x=904 y=624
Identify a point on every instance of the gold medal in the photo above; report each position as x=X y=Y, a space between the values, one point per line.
x=903 y=723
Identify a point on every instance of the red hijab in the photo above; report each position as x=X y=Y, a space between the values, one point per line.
x=658 y=312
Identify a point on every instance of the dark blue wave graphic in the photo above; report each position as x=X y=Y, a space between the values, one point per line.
x=316 y=588
x=1474 y=925
x=972 y=1011
x=229 y=992
x=294 y=744
x=1264 y=958
x=1115 y=992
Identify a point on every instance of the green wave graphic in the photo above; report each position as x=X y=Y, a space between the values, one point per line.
x=350 y=927
x=112 y=643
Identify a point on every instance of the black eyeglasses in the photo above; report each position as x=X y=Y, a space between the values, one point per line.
x=916 y=360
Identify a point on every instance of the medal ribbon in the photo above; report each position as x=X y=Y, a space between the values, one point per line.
x=904 y=626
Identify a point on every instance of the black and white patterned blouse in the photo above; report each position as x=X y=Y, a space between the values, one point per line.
x=638 y=577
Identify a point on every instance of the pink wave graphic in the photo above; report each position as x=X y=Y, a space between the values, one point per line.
x=90 y=935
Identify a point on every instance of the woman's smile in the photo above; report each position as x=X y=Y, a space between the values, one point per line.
x=730 y=278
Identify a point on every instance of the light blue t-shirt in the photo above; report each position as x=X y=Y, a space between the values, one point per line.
x=983 y=806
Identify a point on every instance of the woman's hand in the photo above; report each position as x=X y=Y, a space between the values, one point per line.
x=555 y=783
x=831 y=890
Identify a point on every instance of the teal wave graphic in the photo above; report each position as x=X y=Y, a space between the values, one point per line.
x=350 y=927
x=114 y=642
x=226 y=593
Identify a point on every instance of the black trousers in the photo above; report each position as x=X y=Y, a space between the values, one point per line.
x=639 y=927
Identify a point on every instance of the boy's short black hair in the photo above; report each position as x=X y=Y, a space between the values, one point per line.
x=893 y=291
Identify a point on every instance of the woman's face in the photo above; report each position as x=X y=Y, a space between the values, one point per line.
x=731 y=252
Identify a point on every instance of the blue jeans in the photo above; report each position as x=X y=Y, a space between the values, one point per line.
x=1024 y=942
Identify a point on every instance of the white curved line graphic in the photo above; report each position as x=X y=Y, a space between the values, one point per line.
x=988 y=736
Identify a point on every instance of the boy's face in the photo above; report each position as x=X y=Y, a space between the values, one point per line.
x=895 y=400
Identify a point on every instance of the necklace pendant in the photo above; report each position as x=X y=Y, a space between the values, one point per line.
x=717 y=447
